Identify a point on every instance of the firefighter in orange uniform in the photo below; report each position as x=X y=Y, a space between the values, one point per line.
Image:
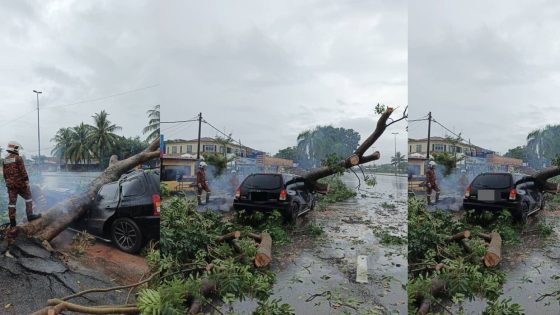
x=202 y=183
x=17 y=183
x=431 y=183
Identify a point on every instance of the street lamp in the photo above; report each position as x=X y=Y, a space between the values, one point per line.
x=396 y=159
x=38 y=133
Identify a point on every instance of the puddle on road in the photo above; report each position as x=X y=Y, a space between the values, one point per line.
x=320 y=278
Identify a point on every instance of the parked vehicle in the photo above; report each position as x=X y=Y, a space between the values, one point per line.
x=290 y=194
x=126 y=211
x=496 y=191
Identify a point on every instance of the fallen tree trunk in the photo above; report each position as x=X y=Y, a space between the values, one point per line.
x=459 y=236
x=228 y=237
x=58 y=217
x=543 y=176
x=493 y=254
x=357 y=157
x=264 y=251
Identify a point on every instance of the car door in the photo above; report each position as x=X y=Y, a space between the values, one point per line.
x=105 y=205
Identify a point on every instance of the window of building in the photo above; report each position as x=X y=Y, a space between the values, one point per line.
x=438 y=147
x=418 y=148
x=228 y=150
x=180 y=149
x=189 y=148
x=222 y=149
x=174 y=149
x=208 y=148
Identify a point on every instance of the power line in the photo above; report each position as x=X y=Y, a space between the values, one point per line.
x=437 y=122
x=227 y=136
x=105 y=97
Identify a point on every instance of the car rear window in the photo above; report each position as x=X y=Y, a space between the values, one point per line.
x=263 y=181
x=108 y=192
x=133 y=187
x=495 y=181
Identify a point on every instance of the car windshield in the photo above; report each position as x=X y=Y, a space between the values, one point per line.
x=263 y=181
x=492 y=181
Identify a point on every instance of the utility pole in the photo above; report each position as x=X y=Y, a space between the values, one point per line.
x=199 y=129
x=38 y=133
x=429 y=130
x=396 y=159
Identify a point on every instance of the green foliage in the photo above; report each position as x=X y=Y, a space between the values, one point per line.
x=152 y=129
x=189 y=245
x=338 y=191
x=149 y=302
x=273 y=307
x=387 y=238
x=289 y=153
x=332 y=161
x=387 y=205
x=380 y=109
x=164 y=191
x=447 y=160
x=218 y=163
x=464 y=275
x=503 y=307
x=545 y=230
x=314 y=230
x=543 y=146
x=519 y=152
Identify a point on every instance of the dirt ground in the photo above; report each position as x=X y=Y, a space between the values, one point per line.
x=121 y=267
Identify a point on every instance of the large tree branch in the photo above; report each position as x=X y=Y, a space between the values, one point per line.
x=357 y=157
x=58 y=217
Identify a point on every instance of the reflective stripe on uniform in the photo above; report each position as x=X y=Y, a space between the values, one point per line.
x=11 y=206
x=9 y=161
x=28 y=200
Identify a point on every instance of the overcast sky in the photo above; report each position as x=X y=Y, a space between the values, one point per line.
x=74 y=51
x=488 y=69
x=266 y=71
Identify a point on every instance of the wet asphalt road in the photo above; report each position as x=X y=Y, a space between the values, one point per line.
x=320 y=278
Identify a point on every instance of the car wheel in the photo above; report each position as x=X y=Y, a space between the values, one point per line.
x=293 y=212
x=523 y=212
x=126 y=235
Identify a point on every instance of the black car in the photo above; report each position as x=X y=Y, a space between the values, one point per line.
x=289 y=194
x=126 y=211
x=496 y=191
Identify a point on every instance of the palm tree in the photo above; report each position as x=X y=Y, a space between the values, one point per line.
x=101 y=136
x=63 y=141
x=79 y=150
x=153 y=124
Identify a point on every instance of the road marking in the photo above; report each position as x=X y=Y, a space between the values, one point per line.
x=362 y=270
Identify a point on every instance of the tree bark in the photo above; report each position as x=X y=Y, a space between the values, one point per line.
x=493 y=254
x=459 y=236
x=58 y=217
x=357 y=157
x=264 y=251
x=228 y=237
x=542 y=177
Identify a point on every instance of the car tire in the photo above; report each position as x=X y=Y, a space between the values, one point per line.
x=126 y=235
x=523 y=212
x=292 y=213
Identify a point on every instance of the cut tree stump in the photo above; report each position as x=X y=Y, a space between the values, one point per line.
x=493 y=254
x=264 y=251
x=459 y=236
